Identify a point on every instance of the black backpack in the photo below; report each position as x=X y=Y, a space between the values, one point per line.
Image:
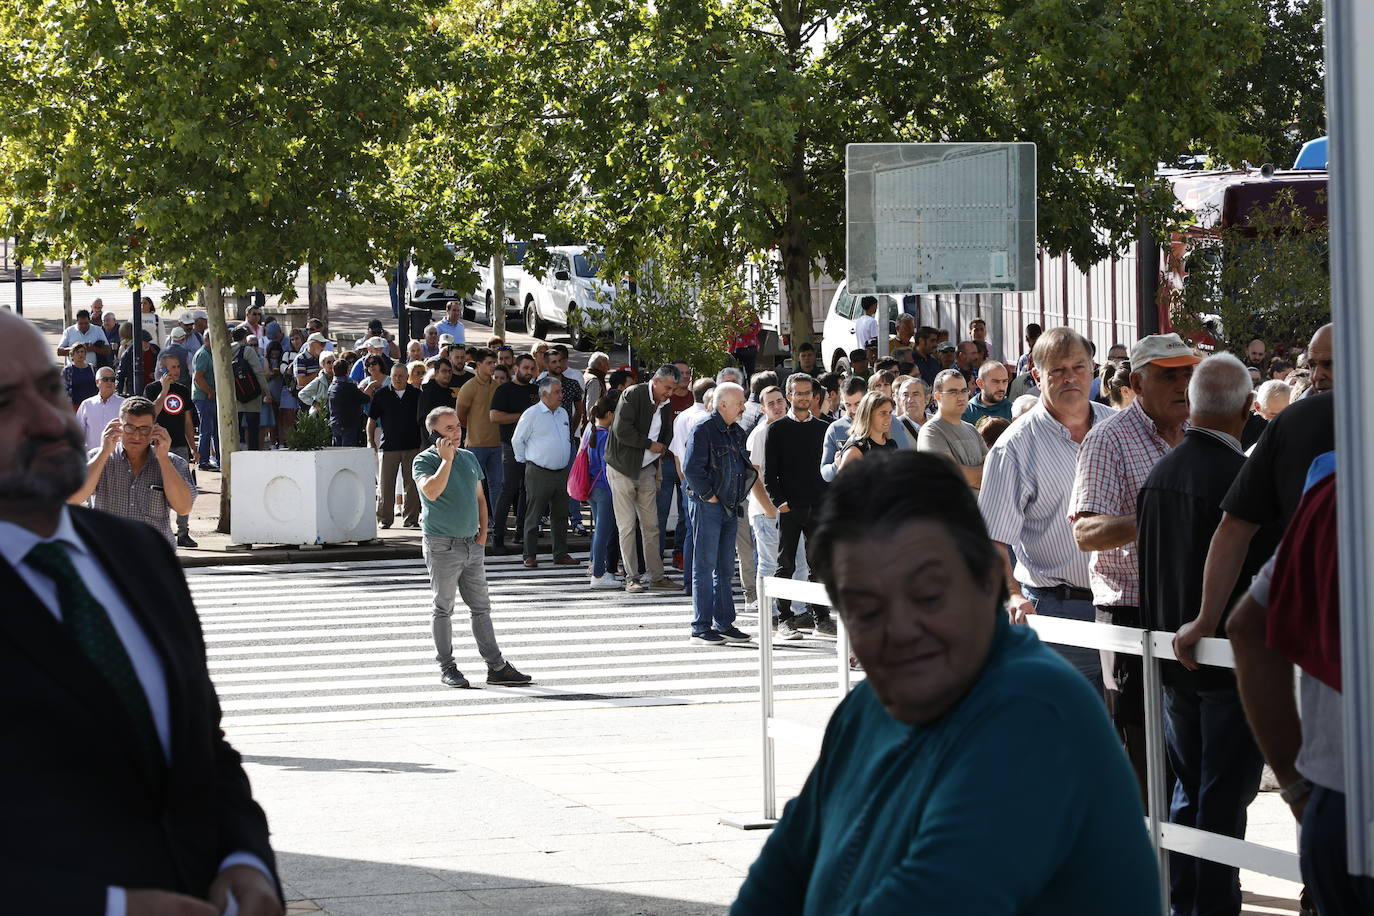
x=246 y=385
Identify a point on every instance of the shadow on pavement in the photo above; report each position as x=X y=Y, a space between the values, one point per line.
x=326 y=765
x=354 y=887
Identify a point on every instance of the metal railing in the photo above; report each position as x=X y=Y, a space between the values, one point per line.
x=1153 y=646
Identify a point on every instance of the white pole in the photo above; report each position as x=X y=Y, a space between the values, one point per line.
x=1350 y=107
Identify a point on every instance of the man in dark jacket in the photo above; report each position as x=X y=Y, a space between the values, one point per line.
x=395 y=414
x=1210 y=746
x=640 y=435
x=129 y=796
x=439 y=391
x=719 y=476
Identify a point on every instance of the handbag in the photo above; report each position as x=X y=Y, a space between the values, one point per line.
x=580 y=480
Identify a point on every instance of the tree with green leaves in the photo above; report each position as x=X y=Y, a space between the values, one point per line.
x=720 y=127
x=210 y=146
x=1268 y=278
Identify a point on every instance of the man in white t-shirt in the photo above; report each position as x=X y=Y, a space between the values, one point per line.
x=84 y=331
x=763 y=515
x=866 y=325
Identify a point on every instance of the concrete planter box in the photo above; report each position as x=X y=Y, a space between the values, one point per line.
x=303 y=498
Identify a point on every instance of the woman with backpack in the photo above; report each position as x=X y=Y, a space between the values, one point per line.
x=250 y=386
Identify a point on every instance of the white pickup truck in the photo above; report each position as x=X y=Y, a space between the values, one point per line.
x=570 y=295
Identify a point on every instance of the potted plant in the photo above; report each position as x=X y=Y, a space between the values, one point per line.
x=308 y=494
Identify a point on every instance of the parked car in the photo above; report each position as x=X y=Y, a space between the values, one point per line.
x=481 y=303
x=570 y=295
x=424 y=291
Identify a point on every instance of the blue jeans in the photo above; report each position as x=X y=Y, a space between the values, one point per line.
x=1217 y=773
x=604 y=530
x=1321 y=848
x=667 y=485
x=1088 y=662
x=766 y=551
x=713 y=566
x=493 y=472
x=209 y=430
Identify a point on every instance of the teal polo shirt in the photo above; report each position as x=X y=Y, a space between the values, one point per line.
x=977 y=410
x=454 y=513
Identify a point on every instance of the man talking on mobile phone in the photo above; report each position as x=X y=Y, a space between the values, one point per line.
x=134 y=473
x=453 y=520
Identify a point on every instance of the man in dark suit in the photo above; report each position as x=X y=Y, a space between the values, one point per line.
x=121 y=792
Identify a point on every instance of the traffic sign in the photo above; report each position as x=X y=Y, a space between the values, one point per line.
x=940 y=217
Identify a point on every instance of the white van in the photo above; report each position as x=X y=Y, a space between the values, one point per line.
x=837 y=333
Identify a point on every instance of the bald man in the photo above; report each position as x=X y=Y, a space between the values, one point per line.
x=131 y=799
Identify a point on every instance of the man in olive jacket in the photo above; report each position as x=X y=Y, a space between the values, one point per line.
x=640 y=435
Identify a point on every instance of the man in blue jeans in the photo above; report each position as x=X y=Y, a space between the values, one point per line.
x=453 y=519
x=719 y=477
x=203 y=396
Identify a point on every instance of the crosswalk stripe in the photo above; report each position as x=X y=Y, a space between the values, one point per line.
x=328 y=642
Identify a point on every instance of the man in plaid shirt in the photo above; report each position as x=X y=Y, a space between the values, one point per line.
x=1116 y=457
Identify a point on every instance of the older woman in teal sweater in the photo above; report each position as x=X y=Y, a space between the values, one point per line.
x=973 y=772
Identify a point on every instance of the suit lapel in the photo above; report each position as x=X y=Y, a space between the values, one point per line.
x=135 y=579
x=33 y=631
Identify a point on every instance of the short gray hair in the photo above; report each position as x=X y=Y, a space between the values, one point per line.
x=730 y=374
x=432 y=418
x=725 y=388
x=1021 y=405
x=669 y=371
x=1271 y=389
x=1220 y=387
x=548 y=382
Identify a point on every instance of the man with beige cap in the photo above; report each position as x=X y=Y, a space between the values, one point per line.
x=1114 y=461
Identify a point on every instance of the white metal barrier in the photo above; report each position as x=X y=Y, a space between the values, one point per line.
x=1152 y=646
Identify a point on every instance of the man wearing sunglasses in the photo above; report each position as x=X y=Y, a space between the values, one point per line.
x=134 y=474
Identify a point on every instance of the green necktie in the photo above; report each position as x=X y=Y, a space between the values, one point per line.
x=89 y=624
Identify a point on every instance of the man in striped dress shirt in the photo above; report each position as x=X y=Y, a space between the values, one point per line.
x=1113 y=464
x=1027 y=479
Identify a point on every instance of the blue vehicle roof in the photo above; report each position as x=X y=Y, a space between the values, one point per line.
x=1312 y=155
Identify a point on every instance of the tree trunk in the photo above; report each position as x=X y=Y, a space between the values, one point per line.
x=316 y=295
x=796 y=280
x=498 y=295
x=67 y=320
x=227 y=411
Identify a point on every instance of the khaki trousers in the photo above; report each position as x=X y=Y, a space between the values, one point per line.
x=386 y=487
x=636 y=498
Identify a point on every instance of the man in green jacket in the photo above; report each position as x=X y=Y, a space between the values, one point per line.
x=640 y=434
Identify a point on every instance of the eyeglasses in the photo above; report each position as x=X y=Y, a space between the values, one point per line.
x=131 y=430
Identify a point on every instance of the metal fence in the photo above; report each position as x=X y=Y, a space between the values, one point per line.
x=1153 y=646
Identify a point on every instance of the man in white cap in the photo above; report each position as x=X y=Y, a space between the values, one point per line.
x=186 y=323
x=307 y=364
x=373 y=346
x=1114 y=461
x=200 y=324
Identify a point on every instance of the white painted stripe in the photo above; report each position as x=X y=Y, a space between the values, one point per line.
x=650 y=664
x=429 y=673
x=250 y=720
x=567 y=654
x=270 y=623
x=363 y=701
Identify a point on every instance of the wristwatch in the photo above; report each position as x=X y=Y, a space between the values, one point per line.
x=1296 y=790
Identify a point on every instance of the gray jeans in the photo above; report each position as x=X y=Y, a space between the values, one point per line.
x=457 y=564
x=184 y=521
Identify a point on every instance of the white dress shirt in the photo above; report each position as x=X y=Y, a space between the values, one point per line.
x=15 y=544
x=655 y=427
x=94 y=414
x=542 y=437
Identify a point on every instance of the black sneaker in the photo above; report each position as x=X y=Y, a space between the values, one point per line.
x=184 y=540
x=452 y=677
x=803 y=621
x=825 y=626
x=734 y=635
x=507 y=676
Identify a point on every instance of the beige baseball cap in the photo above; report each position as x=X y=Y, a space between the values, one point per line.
x=1168 y=350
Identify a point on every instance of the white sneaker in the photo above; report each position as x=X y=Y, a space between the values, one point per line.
x=605 y=581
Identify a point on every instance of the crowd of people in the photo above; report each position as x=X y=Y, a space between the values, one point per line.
x=1153 y=489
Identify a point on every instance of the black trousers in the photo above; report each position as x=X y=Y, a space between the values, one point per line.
x=800 y=520
x=1126 y=703
x=512 y=496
